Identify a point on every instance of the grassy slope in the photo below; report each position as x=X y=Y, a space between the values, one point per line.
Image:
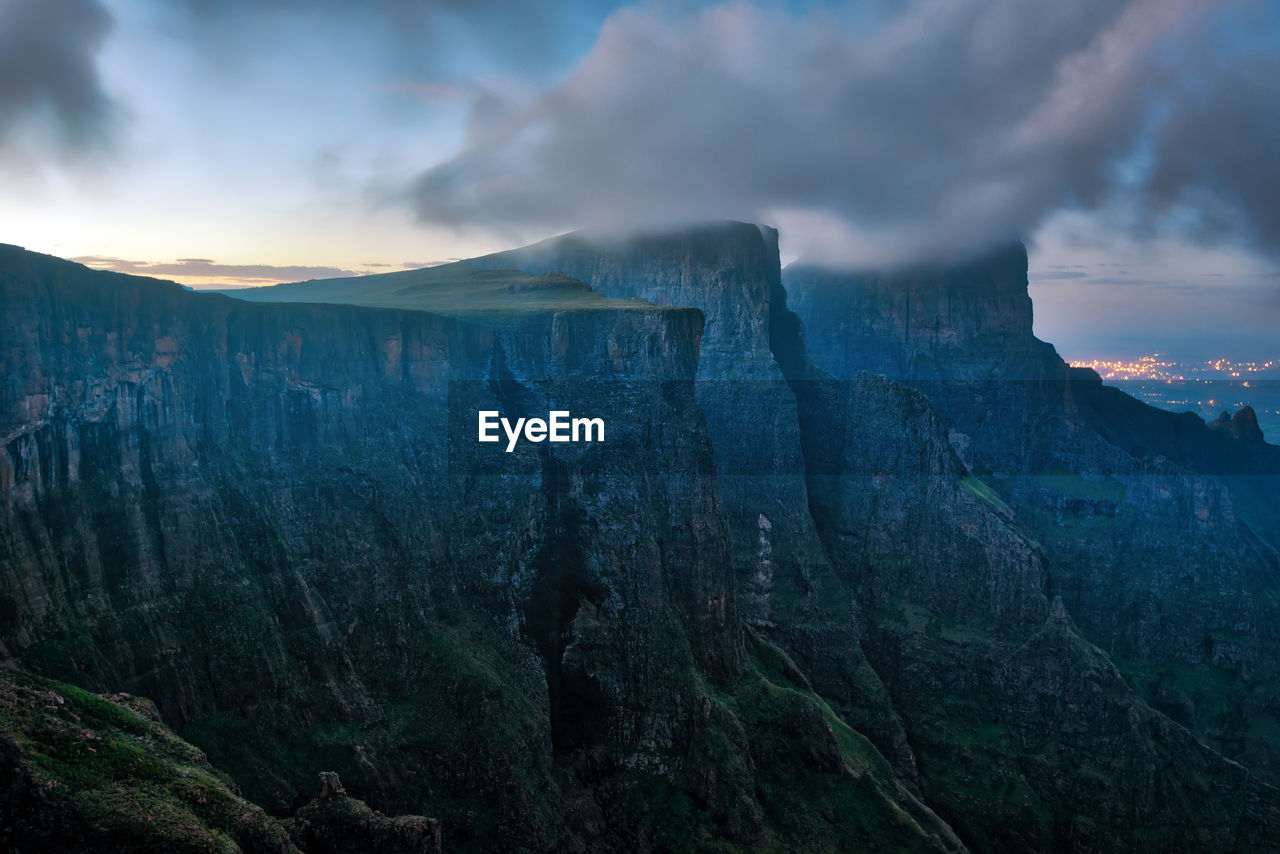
x=449 y=290
x=88 y=773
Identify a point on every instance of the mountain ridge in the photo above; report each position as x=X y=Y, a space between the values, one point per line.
x=792 y=643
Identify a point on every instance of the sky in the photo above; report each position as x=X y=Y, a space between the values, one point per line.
x=1131 y=143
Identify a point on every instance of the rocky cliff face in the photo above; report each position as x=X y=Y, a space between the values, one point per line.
x=1027 y=737
x=774 y=610
x=730 y=272
x=971 y=322
x=1159 y=528
x=275 y=521
x=926 y=574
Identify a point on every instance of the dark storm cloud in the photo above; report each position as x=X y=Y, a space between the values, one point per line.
x=949 y=125
x=49 y=79
x=1216 y=156
x=206 y=268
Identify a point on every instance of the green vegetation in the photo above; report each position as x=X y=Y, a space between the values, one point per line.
x=984 y=493
x=449 y=290
x=823 y=786
x=1072 y=485
x=89 y=773
x=1217 y=705
x=467 y=718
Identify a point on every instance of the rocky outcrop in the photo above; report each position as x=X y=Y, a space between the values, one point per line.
x=88 y=773
x=275 y=521
x=751 y=345
x=334 y=823
x=1027 y=737
x=730 y=272
x=926 y=570
x=968 y=322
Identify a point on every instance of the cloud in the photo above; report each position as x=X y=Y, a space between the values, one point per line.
x=1109 y=280
x=204 y=268
x=1057 y=274
x=1215 y=157
x=941 y=128
x=418 y=265
x=49 y=81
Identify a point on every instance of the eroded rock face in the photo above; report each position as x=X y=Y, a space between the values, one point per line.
x=1027 y=737
x=926 y=579
x=730 y=272
x=256 y=516
x=751 y=349
x=335 y=823
x=826 y=634
x=275 y=520
x=1160 y=529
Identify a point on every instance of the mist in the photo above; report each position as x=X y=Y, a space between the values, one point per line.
x=940 y=129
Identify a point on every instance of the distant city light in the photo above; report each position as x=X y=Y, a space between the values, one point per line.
x=1177 y=386
x=1154 y=368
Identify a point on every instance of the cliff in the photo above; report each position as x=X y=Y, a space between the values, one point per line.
x=1160 y=529
x=925 y=578
x=883 y=583
x=730 y=272
x=1027 y=736
x=275 y=521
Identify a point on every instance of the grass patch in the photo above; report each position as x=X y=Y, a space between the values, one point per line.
x=88 y=773
x=450 y=290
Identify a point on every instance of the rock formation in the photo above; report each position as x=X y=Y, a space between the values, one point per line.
x=787 y=605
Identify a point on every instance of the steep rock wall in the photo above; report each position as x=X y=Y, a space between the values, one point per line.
x=280 y=514
x=1160 y=529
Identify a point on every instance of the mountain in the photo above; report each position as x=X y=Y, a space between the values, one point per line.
x=1162 y=531
x=93 y=773
x=274 y=521
x=784 y=606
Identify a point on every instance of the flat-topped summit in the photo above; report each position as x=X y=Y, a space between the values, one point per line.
x=456 y=290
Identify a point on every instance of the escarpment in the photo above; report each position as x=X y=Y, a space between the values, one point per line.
x=276 y=521
x=925 y=571
x=1160 y=528
x=785 y=604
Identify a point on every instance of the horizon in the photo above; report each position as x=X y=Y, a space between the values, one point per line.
x=235 y=145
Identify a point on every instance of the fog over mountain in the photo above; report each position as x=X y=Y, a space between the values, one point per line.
x=343 y=137
x=934 y=129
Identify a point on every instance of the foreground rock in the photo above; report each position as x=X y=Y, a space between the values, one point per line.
x=336 y=823
x=101 y=774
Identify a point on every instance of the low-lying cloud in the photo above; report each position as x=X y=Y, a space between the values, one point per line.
x=942 y=128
